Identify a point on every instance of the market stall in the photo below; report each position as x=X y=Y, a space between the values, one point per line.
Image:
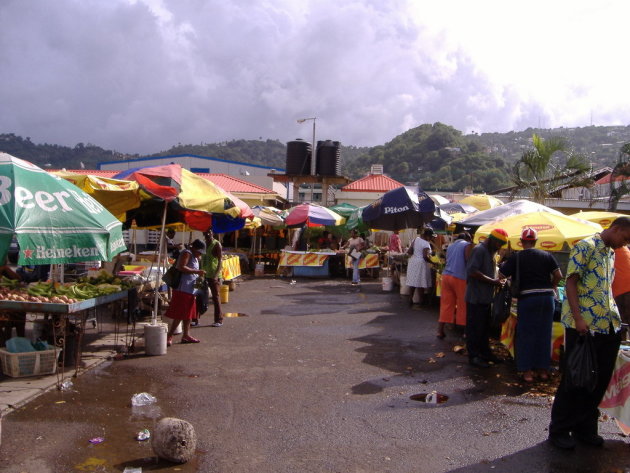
x=59 y=316
x=306 y=263
x=53 y=222
x=230 y=268
x=371 y=260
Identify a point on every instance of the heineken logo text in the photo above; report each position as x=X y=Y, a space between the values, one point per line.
x=395 y=210
x=42 y=252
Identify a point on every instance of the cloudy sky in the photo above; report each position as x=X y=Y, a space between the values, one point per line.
x=138 y=76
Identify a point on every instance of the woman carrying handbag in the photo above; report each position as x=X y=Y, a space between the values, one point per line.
x=536 y=274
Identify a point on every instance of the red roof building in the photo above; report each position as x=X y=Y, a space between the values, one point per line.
x=372 y=183
x=367 y=189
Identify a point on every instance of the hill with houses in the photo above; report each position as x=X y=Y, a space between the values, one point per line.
x=439 y=156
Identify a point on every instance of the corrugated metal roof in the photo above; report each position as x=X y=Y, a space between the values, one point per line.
x=234 y=184
x=372 y=183
x=607 y=178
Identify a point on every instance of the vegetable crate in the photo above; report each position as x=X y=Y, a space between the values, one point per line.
x=32 y=363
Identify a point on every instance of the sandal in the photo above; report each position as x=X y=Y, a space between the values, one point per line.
x=440 y=335
x=190 y=340
x=169 y=341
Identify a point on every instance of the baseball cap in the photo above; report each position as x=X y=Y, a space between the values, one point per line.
x=529 y=234
x=429 y=232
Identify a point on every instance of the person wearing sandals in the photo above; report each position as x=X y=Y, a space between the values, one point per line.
x=453 y=297
x=538 y=274
x=212 y=265
x=419 y=277
x=183 y=306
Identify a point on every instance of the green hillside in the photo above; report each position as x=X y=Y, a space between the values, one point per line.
x=438 y=155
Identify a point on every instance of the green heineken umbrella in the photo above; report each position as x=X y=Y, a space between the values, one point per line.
x=54 y=221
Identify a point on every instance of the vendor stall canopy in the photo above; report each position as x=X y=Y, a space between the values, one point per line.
x=190 y=200
x=53 y=220
x=399 y=209
x=312 y=215
x=481 y=201
x=598 y=216
x=117 y=196
x=495 y=214
x=553 y=231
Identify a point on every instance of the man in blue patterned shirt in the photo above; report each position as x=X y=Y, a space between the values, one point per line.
x=589 y=307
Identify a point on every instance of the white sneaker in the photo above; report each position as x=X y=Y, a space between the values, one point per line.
x=216 y=324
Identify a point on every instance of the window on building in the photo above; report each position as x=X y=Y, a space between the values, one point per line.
x=207 y=170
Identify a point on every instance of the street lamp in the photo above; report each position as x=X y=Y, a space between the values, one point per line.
x=313 y=155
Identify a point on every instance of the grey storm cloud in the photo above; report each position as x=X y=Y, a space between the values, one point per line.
x=141 y=76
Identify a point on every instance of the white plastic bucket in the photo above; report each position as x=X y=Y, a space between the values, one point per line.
x=404 y=289
x=155 y=339
x=388 y=283
x=168 y=321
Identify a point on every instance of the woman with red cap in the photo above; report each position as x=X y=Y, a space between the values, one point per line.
x=538 y=274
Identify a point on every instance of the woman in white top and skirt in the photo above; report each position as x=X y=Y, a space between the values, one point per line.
x=419 y=265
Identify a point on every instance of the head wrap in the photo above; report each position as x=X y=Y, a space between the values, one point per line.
x=499 y=235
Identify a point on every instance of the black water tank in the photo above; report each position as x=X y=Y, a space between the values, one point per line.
x=328 y=161
x=299 y=157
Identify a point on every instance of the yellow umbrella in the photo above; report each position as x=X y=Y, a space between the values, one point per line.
x=116 y=195
x=481 y=201
x=597 y=216
x=553 y=230
x=456 y=218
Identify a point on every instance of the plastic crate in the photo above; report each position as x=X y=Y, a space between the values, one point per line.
x=32 y=363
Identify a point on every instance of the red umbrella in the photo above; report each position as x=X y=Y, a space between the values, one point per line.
x=312 y=215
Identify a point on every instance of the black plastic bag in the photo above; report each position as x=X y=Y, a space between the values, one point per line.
x=501 y=306
x=172 y=277
x=581 y=367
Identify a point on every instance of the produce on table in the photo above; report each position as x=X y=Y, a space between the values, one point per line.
x=58 y=293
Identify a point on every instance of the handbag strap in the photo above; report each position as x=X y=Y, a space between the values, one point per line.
x=517 y=274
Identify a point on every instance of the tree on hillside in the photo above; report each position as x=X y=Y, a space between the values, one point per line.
x=549 y=164
x=620 y=178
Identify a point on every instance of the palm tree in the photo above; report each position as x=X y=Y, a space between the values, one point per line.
x=549 y=164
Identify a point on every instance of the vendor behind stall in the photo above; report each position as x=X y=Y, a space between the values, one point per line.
x=9 y=320
x=172 y=248
x=33 y=273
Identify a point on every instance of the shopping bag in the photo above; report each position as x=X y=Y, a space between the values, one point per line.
x=508 y=331
x=172 y=277
x=581 y=367
x=501 y=306
x=616 y=400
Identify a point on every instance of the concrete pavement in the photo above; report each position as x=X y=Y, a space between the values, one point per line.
x=316 y=378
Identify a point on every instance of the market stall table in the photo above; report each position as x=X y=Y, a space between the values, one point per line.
x=306 y=263
x=371 y=260
x=63 y=313
x=230 y=268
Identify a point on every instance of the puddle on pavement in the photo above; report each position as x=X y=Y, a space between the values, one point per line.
x=234 y=314
x=422 y=397
x=99 y=406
